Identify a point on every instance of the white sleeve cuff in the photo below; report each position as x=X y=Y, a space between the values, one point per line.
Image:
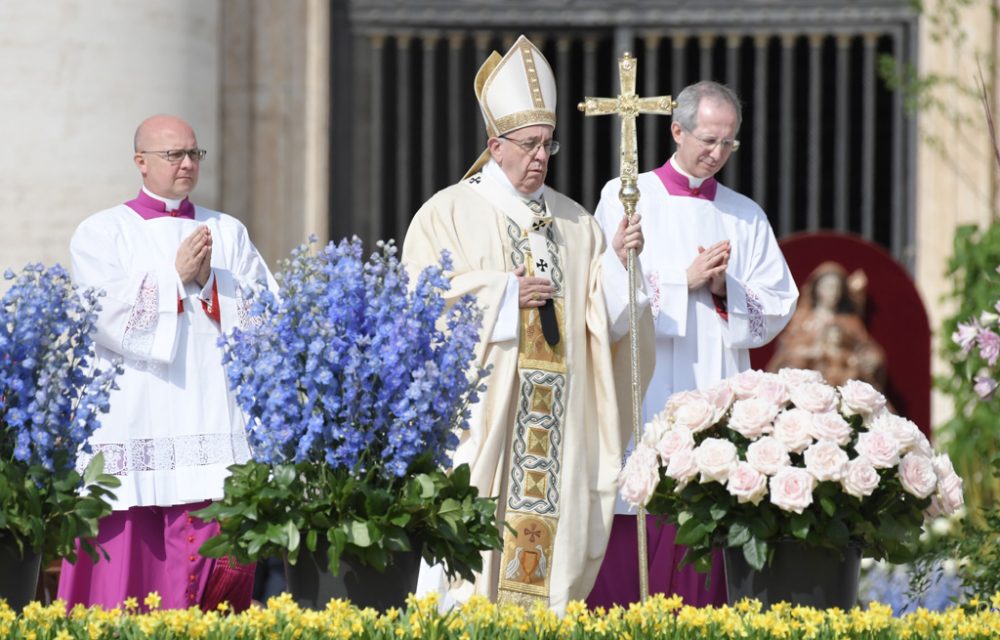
x=505 y=327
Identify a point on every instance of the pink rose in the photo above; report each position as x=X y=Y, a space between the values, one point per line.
x=744 y=384
x=826 y=461
x=721 y=395
x=751 y=418
x=682 y=468
x=773 y=389
x=814 y=396
x=791 y=489
x=693 y=411
x=653 y=430
x=793 y=428
x=638 y=479
x=880 y=447
x=916 y=474
x=860 y=398
x=746 y=483
x=903 y=430
x=860 y=478
x=768 y=455
x=831 y=426
x=672 y=441
x=715 y=457
x=794 y=377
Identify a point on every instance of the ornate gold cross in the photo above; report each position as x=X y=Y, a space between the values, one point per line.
x=627 y=106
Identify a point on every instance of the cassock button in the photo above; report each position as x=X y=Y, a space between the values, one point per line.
x=695 y=191
x=190 y=519
x=190 y=538
x=192 y=578
x=191 y=558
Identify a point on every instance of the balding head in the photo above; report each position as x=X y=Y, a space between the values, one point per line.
x=156 y=135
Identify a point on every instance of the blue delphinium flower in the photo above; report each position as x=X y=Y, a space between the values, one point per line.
x=50 y=392
x=351 y=366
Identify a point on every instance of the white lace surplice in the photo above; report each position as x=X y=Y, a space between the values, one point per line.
x=174 y=426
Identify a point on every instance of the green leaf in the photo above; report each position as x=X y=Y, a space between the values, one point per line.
x=755 y=552
x=739 y=534
x=427 y=488
x=358 y=533
x=94 y=469
x=292 y=535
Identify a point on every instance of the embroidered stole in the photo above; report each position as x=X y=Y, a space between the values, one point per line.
x=532 y=506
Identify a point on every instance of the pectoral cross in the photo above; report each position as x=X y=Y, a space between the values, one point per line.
x=627 y=106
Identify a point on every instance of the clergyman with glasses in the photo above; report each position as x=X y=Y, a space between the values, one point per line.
x=718 y=286
x=547 y=436
x=176 y=275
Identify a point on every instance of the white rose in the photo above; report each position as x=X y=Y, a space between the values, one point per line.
x=721 y=396
x=794 y=429
x=746 y=483
x=638 y=479
x=943 y=466
x=791 y=489
x=831 y=426
x=905 y=432
x=682 y=468
x=916 y=474
x=795 y=377
x=751 y=418
x=814 y=396
x=773 y=389
x=860 y=478
x=744 y=384
x=715 y=457
x=768 y=455
x=694 y=412
x=880 y=447
x=672 y=441
x=949 y=497
x=860 y=398
x=653 y=430
x=826 y=461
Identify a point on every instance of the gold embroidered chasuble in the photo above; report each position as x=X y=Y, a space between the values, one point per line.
x=548 y=435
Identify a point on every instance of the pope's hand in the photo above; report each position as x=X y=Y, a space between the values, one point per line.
x=532 y=291
x=628 y=236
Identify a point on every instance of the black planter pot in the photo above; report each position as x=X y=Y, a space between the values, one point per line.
x=19 y=580
x=312 y=585
x=799 y=574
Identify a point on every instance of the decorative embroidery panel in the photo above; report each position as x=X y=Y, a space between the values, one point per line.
x=755 y=311
x=537 y=446
x=654 y=296
x=520 y=249
x=140 y=328
x=168 y=454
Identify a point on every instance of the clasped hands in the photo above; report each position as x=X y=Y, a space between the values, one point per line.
x=194 y=257
x=710 y=267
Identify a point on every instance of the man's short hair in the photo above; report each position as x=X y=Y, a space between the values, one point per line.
x=686 y=113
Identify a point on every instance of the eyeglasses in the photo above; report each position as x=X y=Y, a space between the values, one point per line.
x=728 y=144
x=173 y=156
x=531 y=145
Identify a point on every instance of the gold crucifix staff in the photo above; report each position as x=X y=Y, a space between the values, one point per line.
x=627 y=106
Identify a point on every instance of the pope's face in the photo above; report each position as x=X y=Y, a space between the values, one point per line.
x=174 y=180
x=702 y=152
x=525 y=169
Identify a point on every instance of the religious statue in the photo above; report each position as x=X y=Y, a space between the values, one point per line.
x=827 y=332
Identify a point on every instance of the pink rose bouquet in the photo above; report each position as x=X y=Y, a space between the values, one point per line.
x=762 y=457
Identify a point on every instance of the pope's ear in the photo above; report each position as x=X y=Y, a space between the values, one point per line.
x=493 y=144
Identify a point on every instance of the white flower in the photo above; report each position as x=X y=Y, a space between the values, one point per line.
x=691 y=410
x=860 y=478
x=880 y=447
x=721 y=395
x=653 y=430
x=791 y=489
x=682 y=468
x=751 y=418
x=638 y=479
x=916 y=474
x=773 y=389
x=817 y=397
x=744 y=384
x=831 y=426
x=800 y=376
x=715 y=457
x=746 y=483
x=672 y=441
x=794 y=429
x=826 y=461
x=949 y=498
x=860 y=398
x=906 y=433
x=768 y=455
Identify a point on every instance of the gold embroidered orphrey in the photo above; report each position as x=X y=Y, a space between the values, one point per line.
x=627 y=106
x=533 y=483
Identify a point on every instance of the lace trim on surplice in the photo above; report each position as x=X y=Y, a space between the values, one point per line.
x=168 y=454
x=140 y=328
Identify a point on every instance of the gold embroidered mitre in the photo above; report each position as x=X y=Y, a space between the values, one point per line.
x=514 y=91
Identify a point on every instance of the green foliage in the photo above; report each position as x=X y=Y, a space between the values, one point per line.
x=971 y=434
x=283 y=509
x=46 y=513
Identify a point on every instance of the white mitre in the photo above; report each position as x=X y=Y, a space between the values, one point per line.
x=515 y=91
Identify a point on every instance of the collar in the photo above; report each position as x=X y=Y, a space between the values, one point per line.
x=150 y=206
x=680 y=183
x=493 y=171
